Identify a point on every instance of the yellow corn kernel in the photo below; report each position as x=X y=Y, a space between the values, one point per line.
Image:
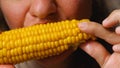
x=40 y=41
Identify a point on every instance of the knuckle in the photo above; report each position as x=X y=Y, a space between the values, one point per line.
x=93 y=27
x=114 y=16
x=116 y=12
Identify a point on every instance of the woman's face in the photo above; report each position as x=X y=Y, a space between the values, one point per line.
x=23 y=13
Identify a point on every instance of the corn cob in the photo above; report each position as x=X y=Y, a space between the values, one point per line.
x=40 y=41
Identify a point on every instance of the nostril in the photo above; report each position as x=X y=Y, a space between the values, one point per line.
x=42 y=9
x=43 y=15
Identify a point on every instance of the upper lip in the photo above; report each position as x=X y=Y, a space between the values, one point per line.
x=42 y=22
x=49 y=18
x=46 y=21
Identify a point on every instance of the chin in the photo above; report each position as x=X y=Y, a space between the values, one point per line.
x=55 y=60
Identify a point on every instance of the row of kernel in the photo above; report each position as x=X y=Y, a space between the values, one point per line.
x=42 y=54
x=32 y=40
x=28 y=32
x=45 y=38
x=42 y=38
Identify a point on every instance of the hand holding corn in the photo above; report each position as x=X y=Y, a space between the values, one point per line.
x=40 y=41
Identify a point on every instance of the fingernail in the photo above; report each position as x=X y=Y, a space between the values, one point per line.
x=116 y=47
x=82 y=25
x=117 y=30
x=105 y=22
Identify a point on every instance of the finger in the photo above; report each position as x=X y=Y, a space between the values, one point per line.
x=116 y=48
x=112 y=20
x=117 y=30
x=97 y=51
x=99 y=31
x=7 y=66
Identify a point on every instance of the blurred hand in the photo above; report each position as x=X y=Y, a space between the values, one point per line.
x=96 y=50
x=112 y=20
x=101 y=55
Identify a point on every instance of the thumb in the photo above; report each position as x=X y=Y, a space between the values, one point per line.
x=97 y=51
x=7 y=66
x=99 y=31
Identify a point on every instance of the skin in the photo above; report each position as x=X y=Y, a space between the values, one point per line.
x=7 y=66
x=95 y=49
x=23 y=13
x=110 y=21
x=42 y=11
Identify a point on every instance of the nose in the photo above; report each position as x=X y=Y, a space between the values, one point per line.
x=42 y=8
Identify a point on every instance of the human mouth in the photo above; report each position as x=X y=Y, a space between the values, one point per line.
x=45 y=21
